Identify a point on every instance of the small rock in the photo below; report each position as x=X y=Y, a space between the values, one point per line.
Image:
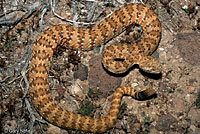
x=155 y=55
x=99 y=78
x=10 y=126
x=198 y=2
x=178 y=104
x=193 y=127
x=76 y=89
x=191 y=89
x=118 y=125
x=134 y=84
x=191 y=81
x=161 y=49
x=81 y=73
x=165 y=2
x=189 y=47
x=163 y=87
x=53 y=130
x=194 y=114
x=165 y=121
x=190 y=98
x=2 y=62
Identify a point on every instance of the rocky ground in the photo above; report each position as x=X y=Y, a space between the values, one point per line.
x=80 y=84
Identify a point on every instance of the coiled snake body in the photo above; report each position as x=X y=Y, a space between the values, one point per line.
x=86 y=39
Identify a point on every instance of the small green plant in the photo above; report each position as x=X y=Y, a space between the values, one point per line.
x=10 y=40
x=152 y=100
x=122 y=109
x=197 y=102
x=147 y=123
x=87 y=108
x=189 y=9
x=8 y=43
x=146 y=132
x=171 y=90
x=170 y=69
x=147 y=120
x=93 y=93
x=125 y=127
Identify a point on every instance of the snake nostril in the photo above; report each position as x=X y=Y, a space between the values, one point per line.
x=119 y=59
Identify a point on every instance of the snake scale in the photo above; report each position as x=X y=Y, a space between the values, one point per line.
x=87 y=39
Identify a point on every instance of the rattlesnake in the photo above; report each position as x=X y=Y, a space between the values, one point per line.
x=86 y=39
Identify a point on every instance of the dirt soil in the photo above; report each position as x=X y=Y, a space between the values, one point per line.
x=80 y=84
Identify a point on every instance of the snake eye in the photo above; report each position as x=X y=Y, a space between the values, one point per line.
x=119 y=59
